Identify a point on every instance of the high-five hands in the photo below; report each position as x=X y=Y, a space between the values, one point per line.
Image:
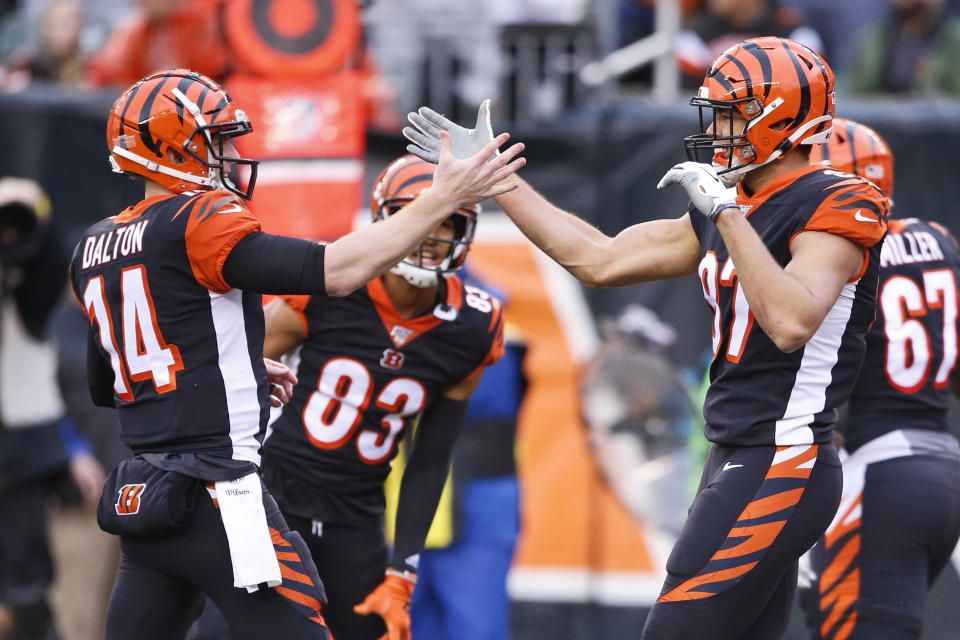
x=391 y=601
x=475 y=178
x=424 y=135
x=703 y=186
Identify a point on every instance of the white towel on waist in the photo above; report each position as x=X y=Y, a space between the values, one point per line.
x=251 y=549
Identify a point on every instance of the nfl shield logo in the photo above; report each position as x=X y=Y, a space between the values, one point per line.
x=400 y=335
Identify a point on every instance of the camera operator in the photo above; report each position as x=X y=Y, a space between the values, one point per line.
x=39 y=445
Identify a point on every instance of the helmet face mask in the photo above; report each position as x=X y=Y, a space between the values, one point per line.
x=227 y=170
x=398 y=185
x=187 y=113
x=784 y=93
x=727 y=153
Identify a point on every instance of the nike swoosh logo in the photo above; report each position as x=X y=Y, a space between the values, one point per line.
x=862 y=218
x=233 y=208
x=729 y=466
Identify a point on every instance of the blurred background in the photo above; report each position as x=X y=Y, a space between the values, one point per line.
x=604 y=443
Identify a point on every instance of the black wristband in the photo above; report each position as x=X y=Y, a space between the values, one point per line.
x=720 y=209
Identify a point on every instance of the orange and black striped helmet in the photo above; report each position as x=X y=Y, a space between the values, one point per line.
x=400 y=183
x=171 y=127
x=856 y=148
x=783 y=90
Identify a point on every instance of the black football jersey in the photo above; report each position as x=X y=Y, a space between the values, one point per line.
x=912 y=346
x=185 y=348
x=364 y=373
x=758 y=394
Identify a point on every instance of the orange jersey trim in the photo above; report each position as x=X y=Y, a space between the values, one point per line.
x=777 y=185
x=216 y=224
x=135 y=211
x=419 y=325
x=298 y=304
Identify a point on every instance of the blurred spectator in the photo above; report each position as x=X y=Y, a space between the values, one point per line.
x=38 y=443
x=55 y=56
x=723 y=23
x=914 y=49
x=839 y=24
x=163 y=34
x=635 y=18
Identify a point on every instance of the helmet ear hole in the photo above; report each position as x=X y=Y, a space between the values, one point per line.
x=175 y=156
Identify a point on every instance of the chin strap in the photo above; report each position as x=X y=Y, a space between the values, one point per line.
x=444 y=310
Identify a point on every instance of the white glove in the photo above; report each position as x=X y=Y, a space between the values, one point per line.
x=427 y=125
x=707 y=192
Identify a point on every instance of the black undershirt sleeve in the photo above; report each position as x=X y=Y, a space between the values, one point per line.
x=265 y=263
x=99 y=372
x=425 y=476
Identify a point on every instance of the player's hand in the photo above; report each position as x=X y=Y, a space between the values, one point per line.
x=427 y=125
x=466 y=182
x=703 y=186
x=281 y=381
x=88 y=475
x=391 y=601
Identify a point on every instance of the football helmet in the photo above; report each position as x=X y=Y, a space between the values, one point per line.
x=186 y=112
x=402 y=181
x=856 y=148
x=783 y=90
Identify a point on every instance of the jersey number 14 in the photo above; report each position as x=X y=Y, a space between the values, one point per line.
x=144 y=353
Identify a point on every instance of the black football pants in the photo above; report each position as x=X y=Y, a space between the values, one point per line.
x=161 y=583
x=875 y=567
x=351 y=561
x=732 y=574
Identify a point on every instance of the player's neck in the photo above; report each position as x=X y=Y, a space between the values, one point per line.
x=754 y=181
x=408 y=300
x=151 y=188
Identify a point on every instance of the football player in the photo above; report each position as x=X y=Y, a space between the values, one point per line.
x=787 y=255
x=413 y=342
x=172 y=287
x=899 y=516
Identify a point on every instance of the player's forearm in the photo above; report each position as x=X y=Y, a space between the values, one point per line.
x=782 y=305
x=425 y=476
x=360 y=256
x=420 y=493
x=572 y=242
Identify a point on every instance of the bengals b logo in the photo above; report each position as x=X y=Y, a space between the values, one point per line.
x=128 y=499
x=391 y=359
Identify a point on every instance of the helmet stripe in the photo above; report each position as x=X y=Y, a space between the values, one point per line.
x=804 y=86
x=217 y=108
x=722 y=79
x=852 y=145
x=144 y=120
x=746 y=75
x=184 y=84
x=129 y=101
x=423 y=177
x=753 y=49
